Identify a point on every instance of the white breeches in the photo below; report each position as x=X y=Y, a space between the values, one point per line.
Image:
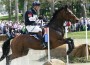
x=33 y=28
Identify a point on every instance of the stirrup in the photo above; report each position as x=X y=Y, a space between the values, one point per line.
x=44 y=46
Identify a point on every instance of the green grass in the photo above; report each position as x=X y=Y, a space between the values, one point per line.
x=12 y=18
x=4 y=18
x=79 y=35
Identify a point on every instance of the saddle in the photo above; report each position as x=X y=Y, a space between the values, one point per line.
x=38 y=35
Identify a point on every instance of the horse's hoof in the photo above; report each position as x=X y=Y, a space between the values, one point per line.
x=44 y=46
x=68 y=52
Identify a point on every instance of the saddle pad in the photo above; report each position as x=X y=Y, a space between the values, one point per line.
x=35 y=36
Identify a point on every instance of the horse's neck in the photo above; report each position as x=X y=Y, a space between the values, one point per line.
x=58 y=31
x=57 y=24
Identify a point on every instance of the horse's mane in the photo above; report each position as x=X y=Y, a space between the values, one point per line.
x=54 y=15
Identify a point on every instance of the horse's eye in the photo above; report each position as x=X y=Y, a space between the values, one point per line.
x=66 y=12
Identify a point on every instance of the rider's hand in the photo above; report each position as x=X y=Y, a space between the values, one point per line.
x=40 y=17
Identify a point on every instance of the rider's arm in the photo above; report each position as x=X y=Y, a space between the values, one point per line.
x=30 y=18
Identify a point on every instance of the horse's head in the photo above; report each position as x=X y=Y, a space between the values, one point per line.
x=67 y=14
x=61 y=15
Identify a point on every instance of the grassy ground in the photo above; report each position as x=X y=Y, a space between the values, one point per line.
x=79 y=35
x=12 y=17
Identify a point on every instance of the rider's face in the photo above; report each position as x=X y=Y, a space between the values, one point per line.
x=37 y=8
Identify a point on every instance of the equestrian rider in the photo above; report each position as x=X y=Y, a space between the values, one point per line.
x=31 y=20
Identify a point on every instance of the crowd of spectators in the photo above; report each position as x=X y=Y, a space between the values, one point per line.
x=80 y=26
x=10 y=28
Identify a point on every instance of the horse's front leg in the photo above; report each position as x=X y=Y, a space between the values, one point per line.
x=70 y=43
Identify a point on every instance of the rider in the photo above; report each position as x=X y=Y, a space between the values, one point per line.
x=31 y=18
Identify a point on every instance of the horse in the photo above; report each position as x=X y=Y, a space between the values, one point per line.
x=20 y=44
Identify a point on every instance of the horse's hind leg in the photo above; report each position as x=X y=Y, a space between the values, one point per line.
x=18 y=54
x=8 y=60
x=25 y=52
x=11 y=57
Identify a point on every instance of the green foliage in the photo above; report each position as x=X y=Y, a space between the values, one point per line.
x=21 y=4
x=58 y=4
x=45 y=6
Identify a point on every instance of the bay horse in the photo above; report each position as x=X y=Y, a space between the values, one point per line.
x=20 y=44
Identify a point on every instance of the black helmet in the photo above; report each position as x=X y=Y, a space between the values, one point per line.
x=36 y=3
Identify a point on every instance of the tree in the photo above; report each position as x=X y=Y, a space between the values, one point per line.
x=25 y=8
x=46 y=6
x=16 y=11
x=9 y=9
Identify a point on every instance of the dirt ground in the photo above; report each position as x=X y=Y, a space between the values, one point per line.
x=35 y=57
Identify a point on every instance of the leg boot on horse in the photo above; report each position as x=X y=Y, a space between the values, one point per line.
x=70 y=43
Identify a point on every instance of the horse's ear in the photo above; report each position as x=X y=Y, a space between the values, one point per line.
x=66 y=7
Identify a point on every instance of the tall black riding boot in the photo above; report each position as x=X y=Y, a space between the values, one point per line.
x=42 y=42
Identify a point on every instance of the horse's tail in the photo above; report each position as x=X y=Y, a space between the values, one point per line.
x=5 y=49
